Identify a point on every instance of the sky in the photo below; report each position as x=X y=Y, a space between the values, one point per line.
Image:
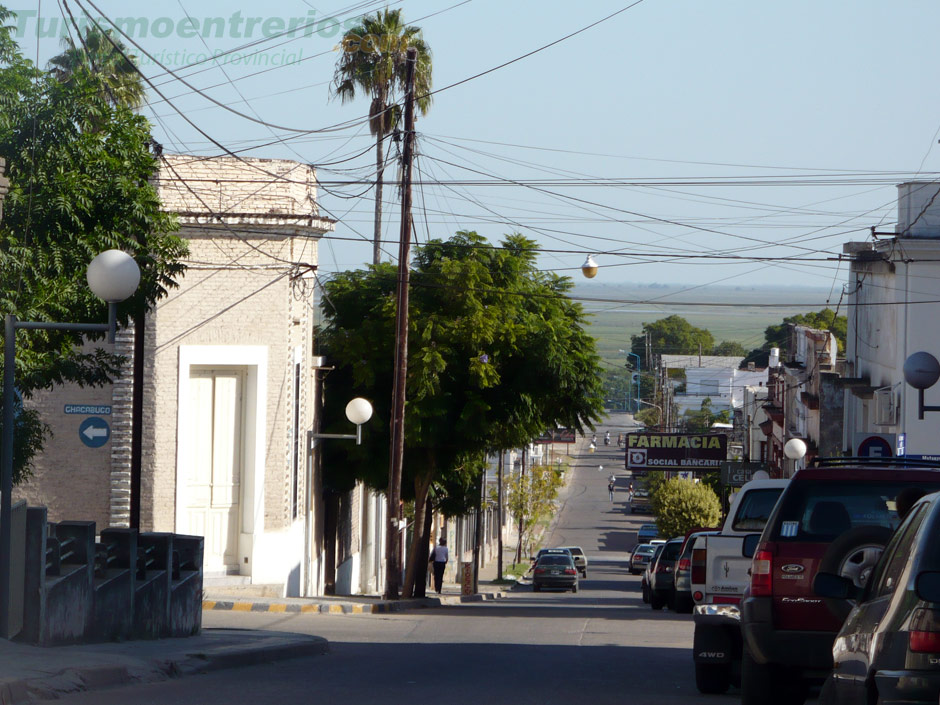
x=678 y=141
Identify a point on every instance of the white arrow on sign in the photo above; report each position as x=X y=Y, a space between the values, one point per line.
x=94 y=432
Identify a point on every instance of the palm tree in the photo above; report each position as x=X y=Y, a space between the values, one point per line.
x=101 y=53
x=373 y=63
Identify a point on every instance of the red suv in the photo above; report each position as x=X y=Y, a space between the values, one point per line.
x=836 y=518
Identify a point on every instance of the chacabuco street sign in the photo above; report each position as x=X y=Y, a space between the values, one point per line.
x=676 y=451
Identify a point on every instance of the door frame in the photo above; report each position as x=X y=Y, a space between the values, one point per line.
x=254 y=360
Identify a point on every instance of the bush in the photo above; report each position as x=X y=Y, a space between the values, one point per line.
x=682 y=505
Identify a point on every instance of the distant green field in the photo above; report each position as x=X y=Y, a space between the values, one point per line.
x=619 y=311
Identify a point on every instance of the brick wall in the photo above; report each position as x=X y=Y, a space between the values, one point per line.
x=253 y=240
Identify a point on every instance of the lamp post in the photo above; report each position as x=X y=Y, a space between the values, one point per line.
x=638 y=370
x=662 y=416
x=112 y=276
x=921 y=371
x=358 y=411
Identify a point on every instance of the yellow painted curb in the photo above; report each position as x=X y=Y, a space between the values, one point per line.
x=336 y=609
x=309 y=609
x=241 y=607
x=277 y=608
x=208 y=605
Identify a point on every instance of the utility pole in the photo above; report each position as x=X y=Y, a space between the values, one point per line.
x=392 y=544
x=499 y=517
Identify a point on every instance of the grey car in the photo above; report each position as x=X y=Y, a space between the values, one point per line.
x=661 y=587
x=888 y=649
x=555 y=570
x=580 y=560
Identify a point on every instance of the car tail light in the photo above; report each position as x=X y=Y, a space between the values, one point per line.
x=698 y=565
x=761 y=578
x=724 y=600
x=570 y=571
x=925 y=631
x=663 y=568
x=684 y=565
x=539 y=571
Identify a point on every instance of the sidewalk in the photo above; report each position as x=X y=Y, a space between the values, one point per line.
x=35 y=673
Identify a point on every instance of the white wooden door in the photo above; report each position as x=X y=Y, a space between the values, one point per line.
x=212 y=475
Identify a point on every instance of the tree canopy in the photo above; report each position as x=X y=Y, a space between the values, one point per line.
x=497 y=354
x=776 y=336
x=673 y=335
x=372 y=62
x=681 y=505
x=79 y=171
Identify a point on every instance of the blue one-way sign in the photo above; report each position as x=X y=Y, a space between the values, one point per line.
x=94 y=432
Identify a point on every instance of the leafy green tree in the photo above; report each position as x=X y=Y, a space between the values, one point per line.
x=102 y=53
x=673 y=335
x=777 y=335
x=79 y=174
x=701 y=421
x=497 y=354
x=530 y=498
x=682 y=505
x=373 y=62
x=729 y=348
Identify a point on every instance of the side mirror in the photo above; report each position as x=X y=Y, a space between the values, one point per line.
x=834 y=586
x=927 y=586
x=749 y=545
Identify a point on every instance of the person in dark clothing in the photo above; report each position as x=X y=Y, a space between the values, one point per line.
x=439 y=561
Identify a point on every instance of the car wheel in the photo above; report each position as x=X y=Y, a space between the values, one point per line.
x=574 y=588
x=766 y=684
x=536 y=587
x=682 y=605
x=711 y=678
x=657 y=601
x=853 y=555
x=828 y=694
x=646 y=594
x=584 y=574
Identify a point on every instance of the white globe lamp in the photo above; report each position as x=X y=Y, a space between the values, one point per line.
x=359 y=411
x=794 y=449
x=113 y=276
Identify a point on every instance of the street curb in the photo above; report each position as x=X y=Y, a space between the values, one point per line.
x=240 y=656
x=318 y=607
x=53 y=686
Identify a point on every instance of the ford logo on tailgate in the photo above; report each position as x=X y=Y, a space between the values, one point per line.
x=792 y=568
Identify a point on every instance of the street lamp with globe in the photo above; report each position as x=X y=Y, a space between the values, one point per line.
x=921 y=371
x=112 y=276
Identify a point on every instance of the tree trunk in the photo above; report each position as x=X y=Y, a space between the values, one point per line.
x=379 y=178
x=421 y=567
x=422 y=485
x=330 y=521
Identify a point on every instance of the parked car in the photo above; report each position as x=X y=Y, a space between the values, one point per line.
x=641 y=557
x=682 y=575
x=661 y=587
x=580 y=560
x=647 y=578
x=836 y=518
x=888 y=649
x=647 y=532
x=555 y=570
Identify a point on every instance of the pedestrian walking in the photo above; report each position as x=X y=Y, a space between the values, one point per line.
x=439 y=559
x=610 y=490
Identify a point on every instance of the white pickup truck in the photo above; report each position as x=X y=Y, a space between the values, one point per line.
x=720 y=574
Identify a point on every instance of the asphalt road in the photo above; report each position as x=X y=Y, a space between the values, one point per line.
x=602 y=645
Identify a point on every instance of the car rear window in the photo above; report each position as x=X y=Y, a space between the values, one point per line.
x=820 y=511
x=555 y=560
x=576 y=551
x=755 y=508
x=645 y=550
x=671 y=551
